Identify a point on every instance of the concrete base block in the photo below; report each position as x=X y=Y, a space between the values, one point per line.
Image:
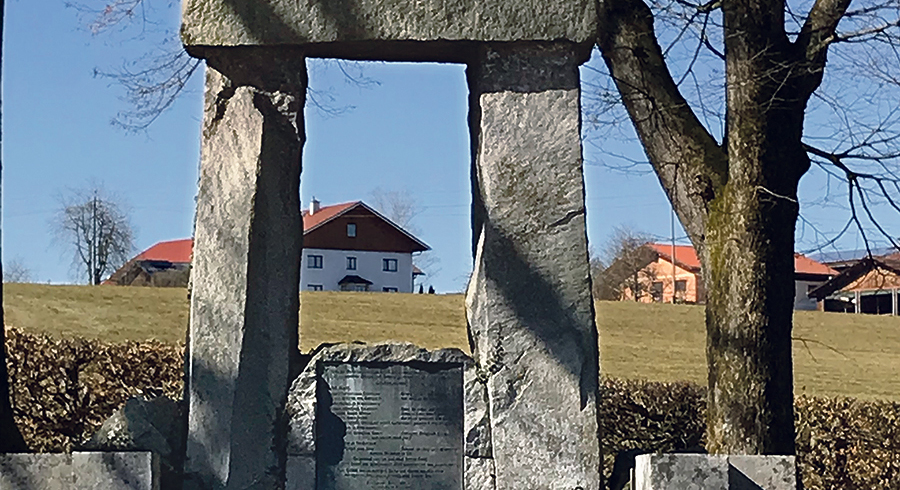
x=80 y=471
x=714 y=472
x=36 y=471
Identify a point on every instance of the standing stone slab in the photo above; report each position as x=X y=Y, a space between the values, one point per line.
x=529 y=303
x=246 y=270
x=389 y=407
x=714 y=472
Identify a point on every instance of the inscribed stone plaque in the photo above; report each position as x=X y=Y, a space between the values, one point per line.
x=390 y=426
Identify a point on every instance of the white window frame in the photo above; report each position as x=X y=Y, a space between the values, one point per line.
x=389 y=265
x=351 y=230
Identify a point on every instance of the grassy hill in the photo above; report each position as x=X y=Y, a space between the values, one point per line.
x=834 y=354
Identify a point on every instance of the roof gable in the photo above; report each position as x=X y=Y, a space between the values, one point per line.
x=325 y=214
x=685 y=255
x=375 y=231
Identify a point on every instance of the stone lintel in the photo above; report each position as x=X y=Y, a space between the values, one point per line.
x=245 y=272
x=80 y=471
x=529 y=305
x=370 y=22
x=714 y=472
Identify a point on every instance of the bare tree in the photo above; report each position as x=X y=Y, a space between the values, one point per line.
x=401 y=207
x=720 y=114
x=10 y=437
x=15 y=271
x=154 y=80
x=627 y=254
x=97 y=230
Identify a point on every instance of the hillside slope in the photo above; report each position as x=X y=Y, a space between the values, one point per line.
x=834 y=354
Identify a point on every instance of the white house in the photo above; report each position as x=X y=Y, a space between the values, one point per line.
x=346 y=247
x=352 y=247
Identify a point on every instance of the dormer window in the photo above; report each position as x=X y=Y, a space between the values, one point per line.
x=351 y=229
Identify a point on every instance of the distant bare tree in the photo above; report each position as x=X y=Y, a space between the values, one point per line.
x=628 y=256
x=97 y=230
x=398 y=206
x=15 y=270
x=401 y=207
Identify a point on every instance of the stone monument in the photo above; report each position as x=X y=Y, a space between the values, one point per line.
x=529 y=304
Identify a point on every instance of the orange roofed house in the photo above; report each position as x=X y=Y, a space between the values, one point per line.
x=346 y=247
x=674 y=273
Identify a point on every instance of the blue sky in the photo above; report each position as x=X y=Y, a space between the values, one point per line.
x=406 y=133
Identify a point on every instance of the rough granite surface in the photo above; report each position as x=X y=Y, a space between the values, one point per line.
x=36 y=472
x=245 y=273
x=155 y=425
x=115 y=471
x=480 y=474
x=714 y=472
x=80 y=471
x=766 y=472
x=365 y=23
x=529 y=303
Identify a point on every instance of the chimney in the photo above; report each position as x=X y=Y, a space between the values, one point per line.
x=313 y=206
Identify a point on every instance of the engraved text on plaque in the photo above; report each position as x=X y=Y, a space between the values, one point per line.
x=389 y=426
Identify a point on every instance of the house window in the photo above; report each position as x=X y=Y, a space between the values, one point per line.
x=389 y=265
x=351 y=263
x=680 y=286
x=314 y=262
x=315 y=287
x=656 y=291
x=389 y=290
x=351 y=229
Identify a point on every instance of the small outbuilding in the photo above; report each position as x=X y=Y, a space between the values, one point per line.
x=868 y=286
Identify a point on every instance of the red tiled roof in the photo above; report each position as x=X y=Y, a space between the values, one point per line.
x=324 y=214
x=180 y=250
x=806 y=265
x=175 y=251
x=686 y=255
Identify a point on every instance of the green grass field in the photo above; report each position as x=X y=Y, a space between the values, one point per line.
x=839 y=354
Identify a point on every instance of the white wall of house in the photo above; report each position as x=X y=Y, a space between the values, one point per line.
x=369 y=265
x=801 y=300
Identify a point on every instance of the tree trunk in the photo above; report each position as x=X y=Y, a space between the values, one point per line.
x=737 y=200
x=10 y=437
x=748 y=268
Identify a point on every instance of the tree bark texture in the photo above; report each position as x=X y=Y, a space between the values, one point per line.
x=737 y=200
x=10 y=438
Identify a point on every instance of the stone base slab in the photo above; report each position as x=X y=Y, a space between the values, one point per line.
x=80 y=471
x=714 y=472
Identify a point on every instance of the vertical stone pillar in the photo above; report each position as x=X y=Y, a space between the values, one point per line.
x=529 y=307
x=246 y=270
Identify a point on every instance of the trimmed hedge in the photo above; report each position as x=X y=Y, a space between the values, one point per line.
x=64 y=389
